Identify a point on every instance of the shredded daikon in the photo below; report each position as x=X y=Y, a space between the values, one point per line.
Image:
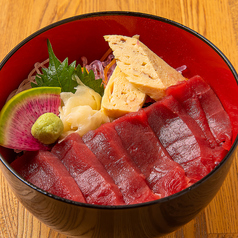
x=26 y=83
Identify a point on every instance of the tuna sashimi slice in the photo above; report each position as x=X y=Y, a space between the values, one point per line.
x=211 y=155
x=177 y=139
x=164 y=176
x=186 y=96
x=45 y=170
x=93 y=180
x=107 y=146
x=217 y=117
x=61 y=149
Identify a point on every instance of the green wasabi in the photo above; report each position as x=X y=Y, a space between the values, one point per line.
x=47 y=128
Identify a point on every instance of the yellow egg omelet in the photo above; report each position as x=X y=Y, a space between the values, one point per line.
x=142 y=67
x=120 y=96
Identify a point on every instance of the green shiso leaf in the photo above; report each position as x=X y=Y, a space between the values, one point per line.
x=62 y=75
x=57 y=74
x=89 y=80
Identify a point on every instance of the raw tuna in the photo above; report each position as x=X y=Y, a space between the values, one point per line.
x=45 y=170
x=164 y=176
x=218 y=119
x=107 y=146
x=61 y=149
x=93 y=180
x=191 y=104
x=212 y=155
x=178 y=140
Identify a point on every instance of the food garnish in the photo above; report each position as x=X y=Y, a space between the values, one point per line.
x=47 y=128
x=88 y=79
x=63 y=75
x=81 y=111
x=20 y=113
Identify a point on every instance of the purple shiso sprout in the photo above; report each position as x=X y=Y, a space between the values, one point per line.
x=98 y=67
x=181 y=68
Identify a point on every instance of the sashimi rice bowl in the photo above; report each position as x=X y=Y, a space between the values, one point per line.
x=109 y=127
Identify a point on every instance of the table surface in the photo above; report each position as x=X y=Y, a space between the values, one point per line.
x=216 y=20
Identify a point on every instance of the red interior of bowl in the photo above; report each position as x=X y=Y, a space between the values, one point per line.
x=84 y=37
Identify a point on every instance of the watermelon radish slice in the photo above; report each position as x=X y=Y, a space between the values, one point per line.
x=20 y=113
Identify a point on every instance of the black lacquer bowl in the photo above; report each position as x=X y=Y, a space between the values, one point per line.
x=83 y=36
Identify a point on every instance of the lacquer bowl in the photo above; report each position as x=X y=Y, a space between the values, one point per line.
x=83 y=36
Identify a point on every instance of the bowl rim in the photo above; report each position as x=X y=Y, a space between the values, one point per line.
x=132 y=14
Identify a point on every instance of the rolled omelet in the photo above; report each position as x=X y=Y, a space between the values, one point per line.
x=120 y=96
x=142 y=67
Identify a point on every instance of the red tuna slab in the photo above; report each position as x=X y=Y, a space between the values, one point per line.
x=107 y=146
x=186 y=96
x=178 y=140
x=164 y=176
x=217 y=117
x=212 y=155
x=93 y=180
x=61 y=149
x=45 y=170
